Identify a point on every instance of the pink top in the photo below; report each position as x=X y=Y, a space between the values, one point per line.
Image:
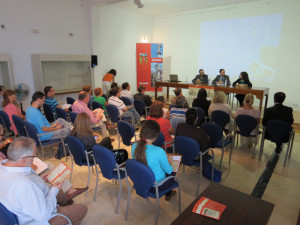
x=11 y=109
x=81 y=107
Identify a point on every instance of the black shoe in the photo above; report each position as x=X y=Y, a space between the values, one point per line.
x=168 y=197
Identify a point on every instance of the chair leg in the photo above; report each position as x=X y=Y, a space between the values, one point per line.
x=157 y=209
x=291 y=147
x=96 y=187
x=286 y=154
x=221 y=160
x=231 y=149
x=64 y=147
x=128 y=201
x=120 y=192
x=262 y=145
x=71 y=167
x=179 y=198
x=200 y=176
x=88 y=182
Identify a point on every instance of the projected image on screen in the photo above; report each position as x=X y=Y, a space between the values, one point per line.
x=245 y=44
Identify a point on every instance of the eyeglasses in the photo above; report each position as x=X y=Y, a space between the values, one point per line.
x=30 y=156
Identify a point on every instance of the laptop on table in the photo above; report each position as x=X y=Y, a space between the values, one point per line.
x=174 y=78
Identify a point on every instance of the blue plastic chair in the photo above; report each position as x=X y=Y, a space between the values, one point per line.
x=104 y=96
x=60 y=113
x=278 y=132
x=4 y=120
x=126 y=100
x=109 y=167
x=140 y=106
x=217 y=140
x=79 y=155
x=126 y=132
x=244 y=126
x=201 y=115
x=114 y=114
x=220 y=117
x=146 y=186
x=49 y=114
x=19 y=123
x=70 y=100
x=161 y=142
x=73 y=116
x=96 y=105
x=190 y=149
x=32 y=132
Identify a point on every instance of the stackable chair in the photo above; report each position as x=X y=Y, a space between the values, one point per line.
x=125 y=133
x=9 y=218
x=70 y=100
x=217 y=140
x=146 y=186
x=73 y=116
x=114 y=114
x=201 y=115
x=79 y=155
x=19 y=123
x=4 y=120
x=126 y=100
x=244 y=126
x=104 y=96
x=140 y=107
x=96 y=105
x=49 y=114
x=221 y=118
x=32 y=132
x=60 y=113
x=189 y=149
x=278 y=130
x=109 y=168
x=161 y=142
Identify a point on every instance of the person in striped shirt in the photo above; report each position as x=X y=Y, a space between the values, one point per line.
x=179 y=110
x=50 y=100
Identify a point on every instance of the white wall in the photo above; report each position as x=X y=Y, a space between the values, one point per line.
x=54 y=19
x=115 y=34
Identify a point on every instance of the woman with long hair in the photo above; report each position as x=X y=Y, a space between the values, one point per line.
x=153 y=156
x=242 y=81
x=201 y=101
x=11 y=107
x=83 y=131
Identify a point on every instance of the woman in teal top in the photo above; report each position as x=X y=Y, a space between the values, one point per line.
x=99 y=98
x=243 y=80
x=152 y=156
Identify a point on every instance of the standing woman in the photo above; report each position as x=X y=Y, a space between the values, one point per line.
x=11 y=107
x=108 y=79
x=242 y=81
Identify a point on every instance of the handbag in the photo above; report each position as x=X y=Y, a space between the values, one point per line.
x=207 y=173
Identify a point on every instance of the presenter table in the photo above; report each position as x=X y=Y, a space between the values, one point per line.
x=259 y=92
x=242 y=209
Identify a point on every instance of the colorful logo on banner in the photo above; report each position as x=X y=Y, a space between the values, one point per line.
x=149 y=64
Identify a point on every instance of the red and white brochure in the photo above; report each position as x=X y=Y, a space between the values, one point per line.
x=209 y=208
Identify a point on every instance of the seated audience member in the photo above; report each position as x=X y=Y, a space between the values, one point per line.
x=126 y=92
x=278 y=112
x=189 y=129
x=179 y=110
x=153 y=156
x=81 y=105
x=201 y=101
x=156 y=114
x=1 y=96
x=108 y=79
x=123 y=110
x=247 y=109
x=87 y=89
x=200 y=78
x=242 y=81
x=165 y=111
x=99 y=97
x=11 y=107
x=108 y=93
x=142 y=96
x=178 y=94
x=59 y=128
x=26 y=194
x=3 y=146
x=49 y=100
x=222 y=78
x=83 y=131
x=218 y=104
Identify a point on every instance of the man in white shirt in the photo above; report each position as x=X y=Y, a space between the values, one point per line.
x=126 y=92
x=26 y=194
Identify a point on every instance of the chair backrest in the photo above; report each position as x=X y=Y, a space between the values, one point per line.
x=7 y=217
x=141 y=175
x=200 y=114
x=126 y=131
x=245 y=124
x=104 y=96
x=73 y=116
x=70 y=100
x=4 y=120
x=31 y=131
x=175 y=121
x=113 y=113
x=77 y=150
x=19 y=123
x=126 y=100
x=188 y=148
x=96 y=105
x=160 y=140
x=278 y=130
x=220 y=117
x=60 y=113
x=105 y=159
x=139 y=106
x=48 y=113
x=214 y=131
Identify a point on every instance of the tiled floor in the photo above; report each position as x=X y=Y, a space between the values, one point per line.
x=283 y=189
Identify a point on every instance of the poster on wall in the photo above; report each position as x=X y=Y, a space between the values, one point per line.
x=149 y=64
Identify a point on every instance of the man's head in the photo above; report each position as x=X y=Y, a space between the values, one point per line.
x=161 y=99
x=141 y=89
x=222 y=72
x=115 y=91
x=87 y=88
x=2 y=89
x=201 y=71
x=178 y=91
x=180 y=101
x=22 y=151
x=83 y=96
x=113 y=85
x=191 y=116
x=38 y=98
x=279 y=97
x=98 y=91
x=126 y=86
x=49 y=91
